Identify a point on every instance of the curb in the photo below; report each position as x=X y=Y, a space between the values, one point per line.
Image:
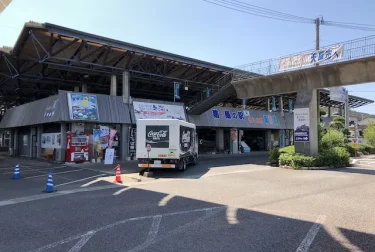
x=312 y=168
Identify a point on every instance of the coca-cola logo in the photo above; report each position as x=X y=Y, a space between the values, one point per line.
x=157 y=135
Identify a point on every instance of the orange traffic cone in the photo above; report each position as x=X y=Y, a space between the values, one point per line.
x=118 y=174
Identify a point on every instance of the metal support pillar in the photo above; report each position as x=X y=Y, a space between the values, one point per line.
x=329 y=112
x=268 y=104
x=39 y=131
x=126 y=87
x=15 y=142
x=113 y=88
x=346 y=109
x=309 y=99
x=32 y=144
x=281 y=105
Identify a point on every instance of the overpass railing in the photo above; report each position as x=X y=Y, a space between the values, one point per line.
x=353 y=49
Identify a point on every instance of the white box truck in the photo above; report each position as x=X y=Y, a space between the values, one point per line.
x=171 y=143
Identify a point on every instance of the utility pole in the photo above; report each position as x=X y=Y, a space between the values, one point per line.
x=317 y=26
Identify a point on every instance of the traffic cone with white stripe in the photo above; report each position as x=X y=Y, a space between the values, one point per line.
x=118 y=174
x=16 y=173
x=49 y=187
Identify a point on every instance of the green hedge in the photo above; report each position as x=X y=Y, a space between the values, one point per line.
x=288 y=149
x=336 y=157
x=274 y=156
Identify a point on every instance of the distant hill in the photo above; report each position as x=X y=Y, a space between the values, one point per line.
x=360 y=115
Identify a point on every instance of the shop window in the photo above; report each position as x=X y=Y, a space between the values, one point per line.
x=25 y=140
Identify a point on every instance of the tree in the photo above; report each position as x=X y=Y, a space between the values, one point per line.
x=346 y=132
x=322 y=112
x=338 y=123
x=369 y=133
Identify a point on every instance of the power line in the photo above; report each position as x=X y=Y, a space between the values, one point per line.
x=234 y=6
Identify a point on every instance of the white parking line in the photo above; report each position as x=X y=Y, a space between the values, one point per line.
x=77 y=247
x=309 y=238
x=154 y=228
x=79 y=180
x=55 y=173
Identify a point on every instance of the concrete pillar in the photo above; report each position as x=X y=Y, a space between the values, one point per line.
x=340 y=111
x=113 y=88
x=309 y=99
x=11 y=140
x=124 y=148
x=61 y=156
x=84 y=88
x=126 y=87
x=220 y=139
x=268 y=106
x=329 y=112
x=39 y=131
x=76 y=89
x=15 y=142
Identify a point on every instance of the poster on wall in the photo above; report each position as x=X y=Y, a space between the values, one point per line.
x=145 y=110
x=83 y=107
x=104 y=136
x=112 y=134
x=301 y=125
x=51 y=140
x=97 y=143
x=186 y=142
x=132 y=139
x=157 y=136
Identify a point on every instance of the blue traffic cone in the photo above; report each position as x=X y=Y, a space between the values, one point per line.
x=49 y=187
x=16 y=173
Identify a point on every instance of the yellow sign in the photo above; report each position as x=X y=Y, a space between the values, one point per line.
x=355 y=146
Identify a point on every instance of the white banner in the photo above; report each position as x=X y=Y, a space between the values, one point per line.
x=311 y=58
x=51 y=140
x=109 y=156
x=337 y=94
x=145 y=110
x=301 y=125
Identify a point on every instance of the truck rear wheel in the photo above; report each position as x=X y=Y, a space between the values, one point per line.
x=182 y=165
x=195 y=160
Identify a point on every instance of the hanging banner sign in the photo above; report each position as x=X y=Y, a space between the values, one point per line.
x=146 y=110
x=311 y=58
x=302 y=125
x=337 y=94
x=177 y=90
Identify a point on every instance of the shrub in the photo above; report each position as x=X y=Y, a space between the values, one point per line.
x=274 y=156
x=288 y=150
x=333 y=138
x=336 y=157
x=364 y=148
x=299 y=161
x=285 y=159
x=369 y=133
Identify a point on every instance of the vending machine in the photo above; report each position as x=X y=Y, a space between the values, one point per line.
x=77 y=149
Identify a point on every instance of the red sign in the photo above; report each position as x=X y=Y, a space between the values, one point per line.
x=354 y=140
x=148 y=148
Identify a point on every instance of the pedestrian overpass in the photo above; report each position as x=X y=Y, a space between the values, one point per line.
x=356 y=65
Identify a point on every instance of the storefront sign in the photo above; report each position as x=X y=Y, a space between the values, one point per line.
x=51 y=140
x=245 y=114
x=83 y=107
x=157 y=136
x=109 y=156
x=337 y=94
x=50 y=110
x=145 y=110
x=97 y=143
x=311 y=58
x=301 y=125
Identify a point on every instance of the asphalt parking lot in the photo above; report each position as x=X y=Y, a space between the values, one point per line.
x=218 y=205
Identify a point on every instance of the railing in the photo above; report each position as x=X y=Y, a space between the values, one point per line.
x=353 y=49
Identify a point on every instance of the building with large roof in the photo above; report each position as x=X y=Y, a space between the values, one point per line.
x=50 y=69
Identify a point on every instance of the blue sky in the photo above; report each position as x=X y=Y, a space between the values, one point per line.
x=198 y=29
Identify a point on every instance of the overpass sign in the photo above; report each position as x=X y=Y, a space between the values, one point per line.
x=311 y=58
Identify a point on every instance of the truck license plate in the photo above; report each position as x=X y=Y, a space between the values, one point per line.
x=157 y=162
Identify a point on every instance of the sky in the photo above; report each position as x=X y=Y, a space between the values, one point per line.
x=198 y=29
